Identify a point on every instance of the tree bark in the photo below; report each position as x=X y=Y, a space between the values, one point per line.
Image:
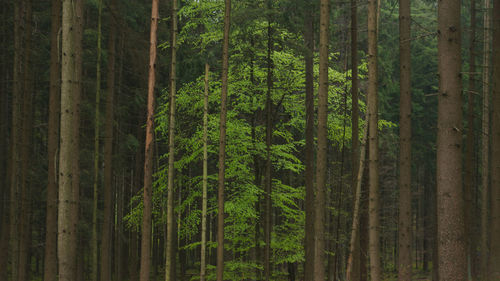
x=373 y=208
x=319 y=216
x=451 y=231
x=494 y=257
x=485 y=141
x=148 y=155
x=205 y=179
x=405 y=225
x=170 y=254
x=107 y=223
x=94 y=243
x=469 y=208
x=222 y=143
x=50 y=260
x=309 y=149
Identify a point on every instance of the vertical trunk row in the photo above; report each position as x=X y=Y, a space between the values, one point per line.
x=170 y=257
x=222 y=143
x=485 y=140
x=148 y=155
x=469 y=208
x=322 y=151
x=494 y=259
x=205 y=179
x=50 y=260
x=404 y=225
x=309 y=149
x=107 y=223
x=372 y=97
x=451 y=243
x=269 y=135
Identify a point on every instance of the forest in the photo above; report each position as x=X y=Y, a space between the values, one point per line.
x=293 y=140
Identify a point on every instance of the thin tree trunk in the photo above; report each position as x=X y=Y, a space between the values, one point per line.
x=451 y=242
x=107 y=223
x=354 y=242
x=205 y=179
x=319 y=216
x=355 y=252
x=269 y=135
x=309 y=149
x=494 y=257
x=15 y=147
x=404 y=225
x=50 y=260
x=148 y=155
x=485 y=137
x=469 y=146
x=222 y=143
x=94 y=246
x=373 y=208
x=25 y=204
x=170 y=254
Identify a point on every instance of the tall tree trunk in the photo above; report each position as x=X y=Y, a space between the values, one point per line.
x=148 y=155
x=94 y=243
x=469 y=146
x=269 y=135
x=451 y=243
x=351 y=274
x=107 y=223
x=319 y=215
x=66 y=219
x=205 y=179
x=309 y=149
x=354 y=250
x=372 y=97
x=485 y=141
x=404 y=225
x=50 y=260
x=222 y=143
x=25 y=204
x=494 y=258
x=77 y=92
x=170 y=254
x=15 y=147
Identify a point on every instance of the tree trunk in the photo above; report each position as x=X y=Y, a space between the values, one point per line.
x=69 y=103
x=494 y=258
x=351 y=274
x=205 y=179
x=222 y=143
x=170 y=254
x=25 y=202
x=451 y=242
x=107 y=223
x=353 y=268
x=469 y=146
x=50 y=260
x=309 y=149
x=269 y=135
x=94 y=243
x=373 y=208
x=319 y=216
x=485 y=139
x=404 y=225
x=15 y=147
x=148 y=155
